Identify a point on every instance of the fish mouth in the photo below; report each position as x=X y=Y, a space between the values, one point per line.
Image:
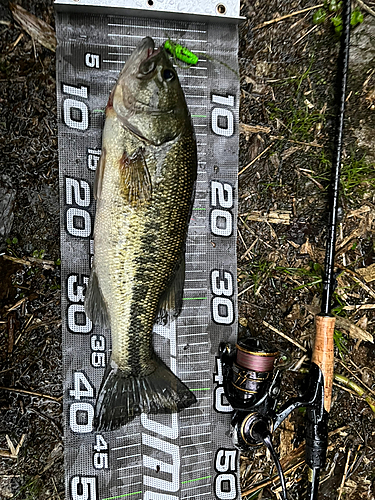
x=148 y=50
x=147 y=59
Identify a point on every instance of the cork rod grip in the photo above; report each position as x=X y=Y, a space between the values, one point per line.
x=323 y=354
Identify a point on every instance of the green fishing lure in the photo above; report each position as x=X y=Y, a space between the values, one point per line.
x=180 y=52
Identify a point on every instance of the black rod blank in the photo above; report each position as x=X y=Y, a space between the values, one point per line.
x=343 y=63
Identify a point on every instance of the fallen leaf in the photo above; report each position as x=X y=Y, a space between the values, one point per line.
x=353 y=330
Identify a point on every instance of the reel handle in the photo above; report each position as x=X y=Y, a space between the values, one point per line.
x=323 y=353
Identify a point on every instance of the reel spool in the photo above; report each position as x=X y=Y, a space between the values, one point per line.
x=253 y=368
x=252 y=386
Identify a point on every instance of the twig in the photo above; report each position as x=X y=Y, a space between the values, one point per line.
x=282 y=137
x=344 y=475
x=255 y=159
x=355 y=376
x=277 y=19
x=307 y=33
x=284 y=336
x=365 y=7
x=314 y=180
x=344 y=389
x=249 y=249
x=14 y=44
x=364 y=286
x=273 y=216
x=272 y=480
x=359 y=308
x=246 y=289
x=32 y=393
x=54 y=485
x=17 y=304
x=14 y=451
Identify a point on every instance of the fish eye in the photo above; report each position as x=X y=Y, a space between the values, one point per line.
x=169 y=75
x=146 y=67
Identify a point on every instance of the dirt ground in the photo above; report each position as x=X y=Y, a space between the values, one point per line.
x=288 y=71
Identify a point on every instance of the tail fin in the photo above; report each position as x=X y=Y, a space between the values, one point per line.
x=123 y=396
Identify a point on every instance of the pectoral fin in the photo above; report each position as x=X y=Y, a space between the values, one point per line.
x=170 y=304
x=98 y=182
x=136 y=177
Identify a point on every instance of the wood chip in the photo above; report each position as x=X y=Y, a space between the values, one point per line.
x=47 y=264
x=39 y=30
x=367 y=273
x=354 y=234
x=359 y=308
x=307 y=248
x=355 y=213
x=273 y=216
x=294 y=245
x=253 y=129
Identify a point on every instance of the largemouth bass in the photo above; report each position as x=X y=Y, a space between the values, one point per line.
x=144 y=187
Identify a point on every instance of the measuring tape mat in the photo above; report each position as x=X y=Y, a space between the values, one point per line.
x=188 y=455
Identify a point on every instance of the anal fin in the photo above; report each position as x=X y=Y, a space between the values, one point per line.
x=95 y=306
x=170 y=303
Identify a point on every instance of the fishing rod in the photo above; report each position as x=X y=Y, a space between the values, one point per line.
x=252 y=376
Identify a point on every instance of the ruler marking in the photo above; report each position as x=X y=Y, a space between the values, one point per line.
x=195 y=496
x=127 y=436
x=127 y=485
x=190 y=488
x=197 y=454
x=184 y=40
x=195 y=435
x=127 y=446
x=194 y=444
x=196 y=380
x=156 y=28
x=208 y=466
x=124 y=495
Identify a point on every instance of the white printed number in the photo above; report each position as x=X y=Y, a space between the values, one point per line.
x=83 y=488
x=222 y=304
x=78 y=220
x=78 y=321
x=221 y=404
x=98 y=351
x=222 y=119
x=81 y=413
x=221 y=219
x=226 y=481
x=100 y=456
x=75 y=112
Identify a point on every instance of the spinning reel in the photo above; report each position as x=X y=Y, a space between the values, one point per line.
x=252 y=378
